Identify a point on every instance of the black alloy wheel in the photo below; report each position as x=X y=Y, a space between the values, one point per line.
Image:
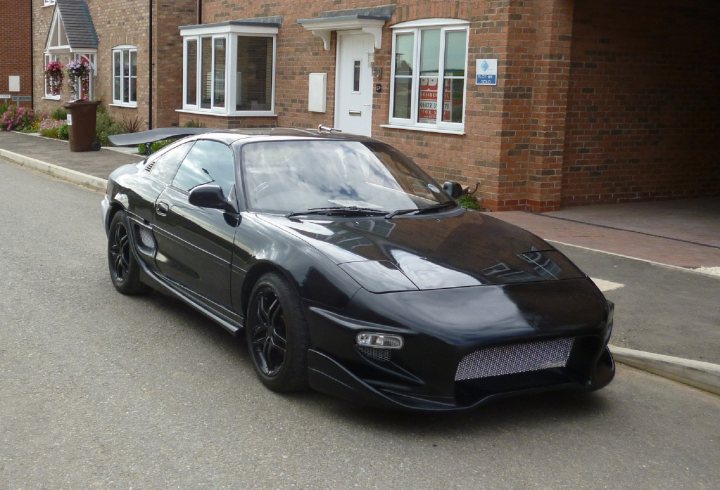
x=276 y=335
x=269 y=337
x=124 y=270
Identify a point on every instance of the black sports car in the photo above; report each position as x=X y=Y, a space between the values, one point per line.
x=351 y=271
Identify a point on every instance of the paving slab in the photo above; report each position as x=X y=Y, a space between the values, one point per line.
x=96 y=163
x=665 y=250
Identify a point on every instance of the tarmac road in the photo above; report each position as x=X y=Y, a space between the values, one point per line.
x=102 y=390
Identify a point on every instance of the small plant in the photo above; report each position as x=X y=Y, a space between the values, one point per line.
x=64 y=132
x=17 y=118
x=192 y=123
x=79 y=74
x=49 y=127
x=132 y=124
x=59 y=114
x=55 y=76
x=468 y=201
x=4 y=106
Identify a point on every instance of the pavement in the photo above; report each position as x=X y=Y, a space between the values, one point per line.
x=680 y=235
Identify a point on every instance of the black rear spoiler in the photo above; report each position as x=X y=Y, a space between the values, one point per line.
x=153 y=135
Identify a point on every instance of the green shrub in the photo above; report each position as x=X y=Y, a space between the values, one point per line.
x=106 y=126
x=468 y=201
x=64 y=132
x=59 y=114
x=4 y=106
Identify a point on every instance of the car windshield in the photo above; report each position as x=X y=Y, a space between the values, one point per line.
x=335 y=177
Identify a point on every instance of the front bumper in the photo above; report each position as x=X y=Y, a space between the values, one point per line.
x=328 y=376
x=506 y=327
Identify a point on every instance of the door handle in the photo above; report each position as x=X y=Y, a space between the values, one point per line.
x=354 y=112
x=162 y=208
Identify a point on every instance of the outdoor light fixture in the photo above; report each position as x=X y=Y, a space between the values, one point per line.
x=379 y=340
x=376 y=70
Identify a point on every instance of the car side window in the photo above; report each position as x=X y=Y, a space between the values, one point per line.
x=208 y=162
x=165 y=165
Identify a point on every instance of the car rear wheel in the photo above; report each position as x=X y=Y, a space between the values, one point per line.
x=124 y=270
x=276 y=334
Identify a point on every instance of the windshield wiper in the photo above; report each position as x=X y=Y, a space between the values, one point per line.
x=429 y=209
x=339 y=211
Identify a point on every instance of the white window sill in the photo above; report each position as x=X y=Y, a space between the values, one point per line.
x=457 y=132
x=126 y=106
x=52 y=97
x=229 y=114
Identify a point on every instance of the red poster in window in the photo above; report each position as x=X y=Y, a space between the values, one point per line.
x=427 y=104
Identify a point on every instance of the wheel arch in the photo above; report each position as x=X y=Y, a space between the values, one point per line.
x=254 y=274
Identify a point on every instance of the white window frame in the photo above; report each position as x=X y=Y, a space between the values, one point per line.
x=230 y=33
x=117 y=99
x=415 y=28
x=48 y=3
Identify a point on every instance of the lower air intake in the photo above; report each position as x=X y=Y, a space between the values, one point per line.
x=375 y=354
x=514 y=358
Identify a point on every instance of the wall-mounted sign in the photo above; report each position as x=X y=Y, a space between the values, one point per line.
x=486 y=72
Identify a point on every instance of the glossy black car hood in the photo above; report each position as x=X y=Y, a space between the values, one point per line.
x=457 y=249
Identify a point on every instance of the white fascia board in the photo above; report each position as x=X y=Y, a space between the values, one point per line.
x=323 y=27
x=228 y=29
x=430 y=23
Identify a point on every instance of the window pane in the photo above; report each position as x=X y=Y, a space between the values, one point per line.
x=133 y=89
x=429 y=66
x=403 y=97
x=126 y=63
x=254 y=73
x=219 y=89
x=429 y=52
x=208 y=162
x=167 y=164
x=455 y=53
x=356 y=76
x=404 y=54
x=453 y=100
x=116 y=63
x=205 y=73
x=116 y=89
x=191 y=70
x=133 y=63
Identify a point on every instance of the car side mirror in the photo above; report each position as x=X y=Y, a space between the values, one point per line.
x=210 y=196
x=452 y=189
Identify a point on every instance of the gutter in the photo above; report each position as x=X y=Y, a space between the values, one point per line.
x=32 y=60
x=151 y=59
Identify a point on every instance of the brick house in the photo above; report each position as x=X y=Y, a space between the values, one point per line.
x=592 y=102
x=543 y=103
x=133 y=46
x=15 y=44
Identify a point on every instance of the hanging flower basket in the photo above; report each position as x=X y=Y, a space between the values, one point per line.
x=54 y=75
x=79 y=70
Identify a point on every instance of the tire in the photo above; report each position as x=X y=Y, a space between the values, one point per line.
x=124 y=269
x=277 y=335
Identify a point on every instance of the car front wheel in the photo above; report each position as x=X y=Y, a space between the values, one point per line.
x=124 y=270
x=276 y=334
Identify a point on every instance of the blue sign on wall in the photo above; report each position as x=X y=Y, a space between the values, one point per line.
x=486 y=72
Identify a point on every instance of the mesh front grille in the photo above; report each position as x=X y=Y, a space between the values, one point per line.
x=514 y=358
x=375 y=354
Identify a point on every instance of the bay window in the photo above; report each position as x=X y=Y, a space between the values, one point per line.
x=229 y=68
x=429 y=68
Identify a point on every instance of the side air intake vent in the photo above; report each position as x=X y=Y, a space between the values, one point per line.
x=514 y=358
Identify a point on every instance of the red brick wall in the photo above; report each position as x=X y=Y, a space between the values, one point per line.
x=127 y=23
x=15 y=46
x=643 y=118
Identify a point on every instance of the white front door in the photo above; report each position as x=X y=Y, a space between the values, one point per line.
x=353 y=83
